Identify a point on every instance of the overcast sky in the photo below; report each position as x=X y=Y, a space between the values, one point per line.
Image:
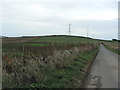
x=51 y=17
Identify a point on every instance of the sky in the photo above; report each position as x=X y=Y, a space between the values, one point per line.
x=98 y=18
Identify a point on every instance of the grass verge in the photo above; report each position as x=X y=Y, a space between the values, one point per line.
x=72 y=76
x=112 y=49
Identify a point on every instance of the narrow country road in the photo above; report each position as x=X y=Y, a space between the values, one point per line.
x=104 y=71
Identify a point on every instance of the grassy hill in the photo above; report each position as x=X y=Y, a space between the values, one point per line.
x=52 y=39
x=66 y=39
x=33 y=44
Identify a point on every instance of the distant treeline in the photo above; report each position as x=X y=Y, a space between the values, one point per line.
x=115 y=40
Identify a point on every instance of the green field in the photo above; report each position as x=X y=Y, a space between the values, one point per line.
x=66 y=39
x=16 y=48
x=58 y=41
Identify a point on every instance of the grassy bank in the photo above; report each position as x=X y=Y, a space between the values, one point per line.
x=50 y=62
x=71 y=76
x=114 y=50
x=113 y=46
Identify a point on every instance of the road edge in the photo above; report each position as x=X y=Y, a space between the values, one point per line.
x=88 y=68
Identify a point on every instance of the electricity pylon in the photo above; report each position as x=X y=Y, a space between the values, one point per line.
x=69 y=32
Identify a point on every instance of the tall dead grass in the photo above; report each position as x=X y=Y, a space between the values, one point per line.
x=21 y=71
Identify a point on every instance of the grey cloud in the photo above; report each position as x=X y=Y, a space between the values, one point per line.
x=103 y=29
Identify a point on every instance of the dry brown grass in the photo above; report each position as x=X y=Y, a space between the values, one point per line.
x=31 y=67
x=17 y=39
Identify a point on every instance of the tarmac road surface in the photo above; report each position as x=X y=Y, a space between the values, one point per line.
x=104 y=71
